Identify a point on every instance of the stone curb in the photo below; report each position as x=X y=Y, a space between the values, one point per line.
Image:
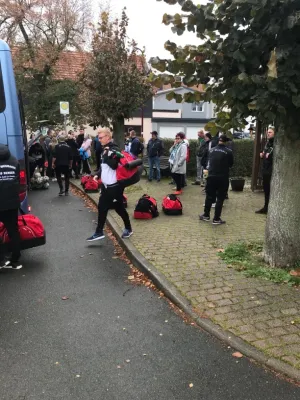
x=173 y=294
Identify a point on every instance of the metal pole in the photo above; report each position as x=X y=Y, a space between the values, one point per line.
x=65 y=123
x=256 y=156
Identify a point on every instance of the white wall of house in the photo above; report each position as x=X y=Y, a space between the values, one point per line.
x=168 y=130
x=203 y=110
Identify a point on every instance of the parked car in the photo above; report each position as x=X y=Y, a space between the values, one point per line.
x=238 y=135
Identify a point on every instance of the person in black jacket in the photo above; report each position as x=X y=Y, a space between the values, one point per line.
x=155 y=149
x=62 y=162
x=9 y=205
x=219 y=162
x=111 y=191
x=267 y=157
x=206 y=150
x=137 y=146
x=71 y=142
x=38 y=154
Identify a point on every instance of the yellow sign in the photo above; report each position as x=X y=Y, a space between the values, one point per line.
x=64 y=107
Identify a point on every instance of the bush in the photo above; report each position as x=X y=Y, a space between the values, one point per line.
x=243 y=157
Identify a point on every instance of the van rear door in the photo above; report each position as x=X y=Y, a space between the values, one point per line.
x=3 y=130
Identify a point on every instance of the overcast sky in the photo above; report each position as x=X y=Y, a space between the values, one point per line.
x=146 y=27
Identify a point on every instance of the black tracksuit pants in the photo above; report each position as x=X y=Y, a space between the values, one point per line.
x=179 y=180
x=63 y=170
x=267 y=189
x=216 y=188
x=10 y=220
x=111 y=198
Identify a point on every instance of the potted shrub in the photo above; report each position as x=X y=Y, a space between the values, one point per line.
x=237 y=183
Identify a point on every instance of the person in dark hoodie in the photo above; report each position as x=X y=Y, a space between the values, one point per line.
x=219 y=162
x=111 y=191
x=267 y=157
x=71 y=142
x=9 y=205
x=62 y=162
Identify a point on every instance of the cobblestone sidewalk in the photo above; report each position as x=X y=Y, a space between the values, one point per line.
x=264 y=314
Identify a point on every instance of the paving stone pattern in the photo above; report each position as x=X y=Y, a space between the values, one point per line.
x=184 y=249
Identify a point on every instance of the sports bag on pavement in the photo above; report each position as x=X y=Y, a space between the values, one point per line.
x=91 y=186
x=128 y=171
x=146 y=208
x=84 y=180
x=171 y=205
x=31 y=229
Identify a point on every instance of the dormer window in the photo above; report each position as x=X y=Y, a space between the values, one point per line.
x=198 y=107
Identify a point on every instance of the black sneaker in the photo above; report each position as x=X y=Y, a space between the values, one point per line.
x=262 y=211
x=96 y=236
x=13 y=265
x=66 y=193
x=61 y=193
x=204 y=217
x=218 y=222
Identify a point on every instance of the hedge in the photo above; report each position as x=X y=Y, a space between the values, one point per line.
x=243 y=157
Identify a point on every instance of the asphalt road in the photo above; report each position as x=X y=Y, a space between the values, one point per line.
x=109 y=340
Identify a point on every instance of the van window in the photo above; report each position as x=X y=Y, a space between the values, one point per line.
x=2 y=94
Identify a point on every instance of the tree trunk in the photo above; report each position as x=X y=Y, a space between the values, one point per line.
x=282 y=245
x=118 y=132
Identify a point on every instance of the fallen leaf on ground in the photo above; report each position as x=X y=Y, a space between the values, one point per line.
x=191 y=385
x=237 y=354
x=115 y=258
x=131 y=277
x=65 y=298
x=295 y=272
x=128 y=361
x=220 y=250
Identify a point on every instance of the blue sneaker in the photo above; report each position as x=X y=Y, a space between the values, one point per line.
x=127 y=233
x=96 y=236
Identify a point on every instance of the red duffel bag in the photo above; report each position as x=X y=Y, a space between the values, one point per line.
x=84 y=180
x=91 y=185
x=31 y=229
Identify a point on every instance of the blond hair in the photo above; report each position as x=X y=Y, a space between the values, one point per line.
x=107 y=132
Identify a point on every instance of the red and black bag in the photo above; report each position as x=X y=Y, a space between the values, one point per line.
x=84 y=180
x=171 y=205
x=91 y=186
x=32 y=233
x=146 y=208
x=129 y=170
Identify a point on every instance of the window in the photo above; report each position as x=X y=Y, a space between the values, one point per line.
x=198 y=107
x=2 y=95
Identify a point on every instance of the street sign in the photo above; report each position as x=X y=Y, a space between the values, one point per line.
x=64 y=107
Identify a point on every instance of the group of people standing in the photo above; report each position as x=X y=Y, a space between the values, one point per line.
x=63 y=155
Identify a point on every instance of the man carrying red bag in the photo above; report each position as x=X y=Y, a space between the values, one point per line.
x=9 y=205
